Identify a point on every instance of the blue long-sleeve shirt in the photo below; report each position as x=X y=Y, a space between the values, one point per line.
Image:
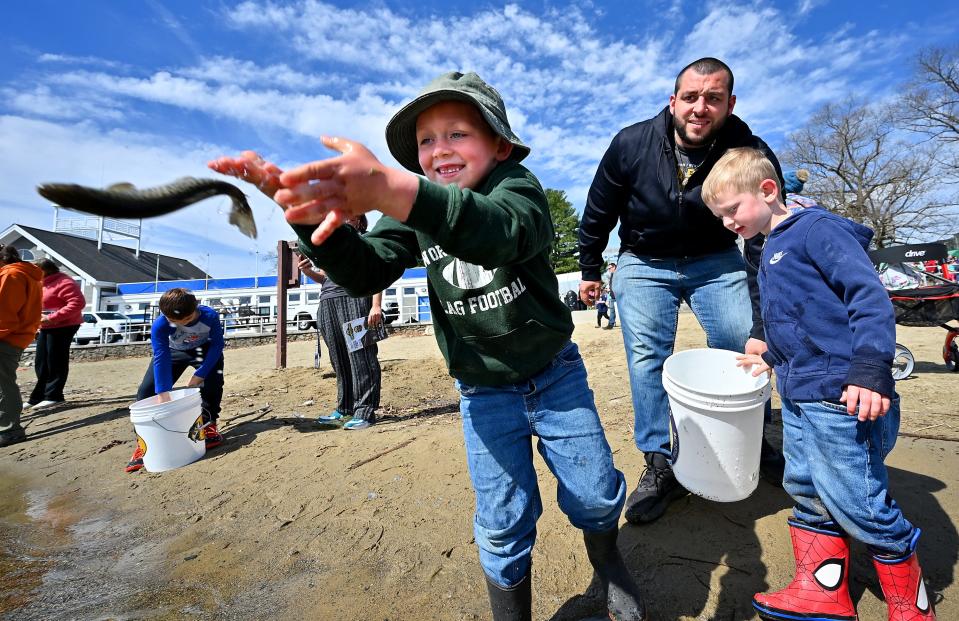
x=165 y=337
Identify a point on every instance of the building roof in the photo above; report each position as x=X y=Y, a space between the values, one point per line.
x=113 y=263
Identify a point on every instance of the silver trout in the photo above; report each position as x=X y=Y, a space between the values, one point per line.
x=123 y=200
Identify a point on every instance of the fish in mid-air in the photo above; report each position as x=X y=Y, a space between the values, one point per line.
x=123 y=200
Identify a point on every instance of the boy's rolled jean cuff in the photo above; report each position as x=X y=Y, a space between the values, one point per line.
x=505 y=557
x=601 y=517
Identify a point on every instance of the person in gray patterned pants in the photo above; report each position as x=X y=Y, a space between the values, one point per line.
x=358 y=372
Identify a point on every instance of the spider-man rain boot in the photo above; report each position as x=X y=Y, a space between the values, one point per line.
x=902 y=585
x=820 y=590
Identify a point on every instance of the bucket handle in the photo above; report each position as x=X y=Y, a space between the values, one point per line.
x=158 y=424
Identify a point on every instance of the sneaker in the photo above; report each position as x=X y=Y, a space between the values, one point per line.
x=357 y=423
x=12 y=436
x=656 y=489
x=608 y=328
x=44 y=404
x=213 y=437
x=136 y=461
x=332 y=417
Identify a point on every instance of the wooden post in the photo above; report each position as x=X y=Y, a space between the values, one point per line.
x=288 y=277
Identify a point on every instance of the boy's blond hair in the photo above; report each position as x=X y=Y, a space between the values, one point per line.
x=739 y=170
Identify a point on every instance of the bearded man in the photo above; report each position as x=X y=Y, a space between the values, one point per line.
x=672 y=250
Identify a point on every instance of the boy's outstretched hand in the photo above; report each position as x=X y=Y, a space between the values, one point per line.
x=871 y=404
x=753 y=360
x=252 y=168
x=328 y=192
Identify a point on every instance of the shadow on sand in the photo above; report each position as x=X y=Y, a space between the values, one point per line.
x=675 y=559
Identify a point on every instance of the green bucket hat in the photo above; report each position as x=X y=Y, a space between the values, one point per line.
x=468 y=87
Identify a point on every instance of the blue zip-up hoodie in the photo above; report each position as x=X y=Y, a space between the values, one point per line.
x=829 y=322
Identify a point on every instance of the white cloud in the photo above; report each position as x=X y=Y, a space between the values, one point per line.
x=807 y=6
x=43 y=102
x=224 y=70
x=175 y=26
x=66 y=59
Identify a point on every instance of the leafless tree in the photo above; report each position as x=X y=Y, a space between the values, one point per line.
x=930 y=105
x=864 y=168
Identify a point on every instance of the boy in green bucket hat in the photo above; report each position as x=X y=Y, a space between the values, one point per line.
x=480 y=222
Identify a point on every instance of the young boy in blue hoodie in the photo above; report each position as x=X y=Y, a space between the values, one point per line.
x=830 y=330
x=480 y=223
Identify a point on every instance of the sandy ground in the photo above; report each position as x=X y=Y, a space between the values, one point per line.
x=290 y=520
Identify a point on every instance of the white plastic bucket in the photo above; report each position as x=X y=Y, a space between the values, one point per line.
x=717 y=422
x=170 y=434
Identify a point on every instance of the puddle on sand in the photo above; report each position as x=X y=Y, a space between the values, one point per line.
x=62 y=559
x=55 y=559
x=22 y=561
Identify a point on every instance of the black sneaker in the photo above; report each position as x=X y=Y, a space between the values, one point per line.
x=12 y=436
x=656 y=489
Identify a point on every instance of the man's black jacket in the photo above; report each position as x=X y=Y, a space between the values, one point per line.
x=636 y=184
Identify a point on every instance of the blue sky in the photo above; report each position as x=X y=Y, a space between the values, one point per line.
x=98 y=92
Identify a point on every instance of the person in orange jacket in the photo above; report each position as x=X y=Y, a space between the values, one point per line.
x=21 y=296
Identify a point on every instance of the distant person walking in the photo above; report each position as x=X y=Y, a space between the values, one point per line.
x=611 y=295
x=602 y=308
x=63 y=304
x=21 y=286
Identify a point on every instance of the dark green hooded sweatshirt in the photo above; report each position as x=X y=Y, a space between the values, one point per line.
x=494 y=298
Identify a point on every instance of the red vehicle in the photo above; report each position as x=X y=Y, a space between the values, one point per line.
x=925 y=300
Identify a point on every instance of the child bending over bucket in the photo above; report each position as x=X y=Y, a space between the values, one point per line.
x=185 y=335
x=480 y=223
x=831 y=334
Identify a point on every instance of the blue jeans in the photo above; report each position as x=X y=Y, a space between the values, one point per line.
x=612 y=312
x=499 y=422
x=835 y=472
x=649 y=292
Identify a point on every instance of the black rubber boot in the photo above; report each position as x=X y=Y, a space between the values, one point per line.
x=512 y=604
x=623 y=600
x=656 y=489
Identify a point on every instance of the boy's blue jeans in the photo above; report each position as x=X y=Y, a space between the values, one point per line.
x=499 y=422
x=835 y=472
x=649 y=292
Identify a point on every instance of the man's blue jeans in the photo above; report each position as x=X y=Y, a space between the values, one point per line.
x=612 y=311
x=649 y=292
x=499 y=422
x=835 y=472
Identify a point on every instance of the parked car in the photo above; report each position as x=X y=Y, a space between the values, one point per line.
x=102 y=327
